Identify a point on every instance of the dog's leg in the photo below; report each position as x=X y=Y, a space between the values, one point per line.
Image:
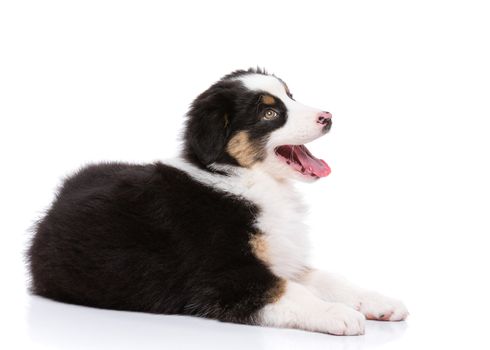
x=373 y=305
x=299 y=308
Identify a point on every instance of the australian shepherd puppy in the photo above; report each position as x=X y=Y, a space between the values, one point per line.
x=217 y=232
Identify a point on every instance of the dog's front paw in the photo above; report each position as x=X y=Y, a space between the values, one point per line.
x=378 y=307
x=343 y=320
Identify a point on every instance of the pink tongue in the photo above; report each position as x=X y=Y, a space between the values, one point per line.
x=312 y=164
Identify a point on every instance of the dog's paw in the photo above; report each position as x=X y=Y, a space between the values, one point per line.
x=343 y=320
x=378 y=307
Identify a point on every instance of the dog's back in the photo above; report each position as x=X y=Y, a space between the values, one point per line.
x=147 y=238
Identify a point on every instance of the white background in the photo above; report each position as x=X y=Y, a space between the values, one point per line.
x=405 y=210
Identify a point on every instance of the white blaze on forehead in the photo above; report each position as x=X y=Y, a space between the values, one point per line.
x=267 y=83
x=274 y=86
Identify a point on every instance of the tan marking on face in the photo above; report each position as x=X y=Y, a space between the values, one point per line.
x=243 y=150
x=268 y=100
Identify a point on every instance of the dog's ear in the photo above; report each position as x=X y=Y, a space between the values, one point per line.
x=208 y=123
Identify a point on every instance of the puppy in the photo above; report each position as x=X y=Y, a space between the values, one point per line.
x=217 y=232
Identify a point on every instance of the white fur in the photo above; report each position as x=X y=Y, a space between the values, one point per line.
x=299 y=308
x=332 y=288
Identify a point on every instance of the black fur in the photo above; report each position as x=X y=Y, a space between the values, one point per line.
x=150 y=238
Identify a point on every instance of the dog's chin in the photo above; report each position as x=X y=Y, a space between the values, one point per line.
x=294 y=175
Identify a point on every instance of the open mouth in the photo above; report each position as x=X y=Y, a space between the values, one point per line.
x=300 y=159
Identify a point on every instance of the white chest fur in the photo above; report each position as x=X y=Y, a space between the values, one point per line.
x=281 y=221
x=281 y=218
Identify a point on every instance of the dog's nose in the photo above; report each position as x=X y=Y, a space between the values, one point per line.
x=325 y=119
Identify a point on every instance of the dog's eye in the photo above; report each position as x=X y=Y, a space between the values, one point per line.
x=270 y=114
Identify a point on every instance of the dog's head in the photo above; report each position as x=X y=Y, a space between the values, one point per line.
x=250 y=119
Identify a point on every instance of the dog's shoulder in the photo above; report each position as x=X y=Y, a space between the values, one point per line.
x=282 y=240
